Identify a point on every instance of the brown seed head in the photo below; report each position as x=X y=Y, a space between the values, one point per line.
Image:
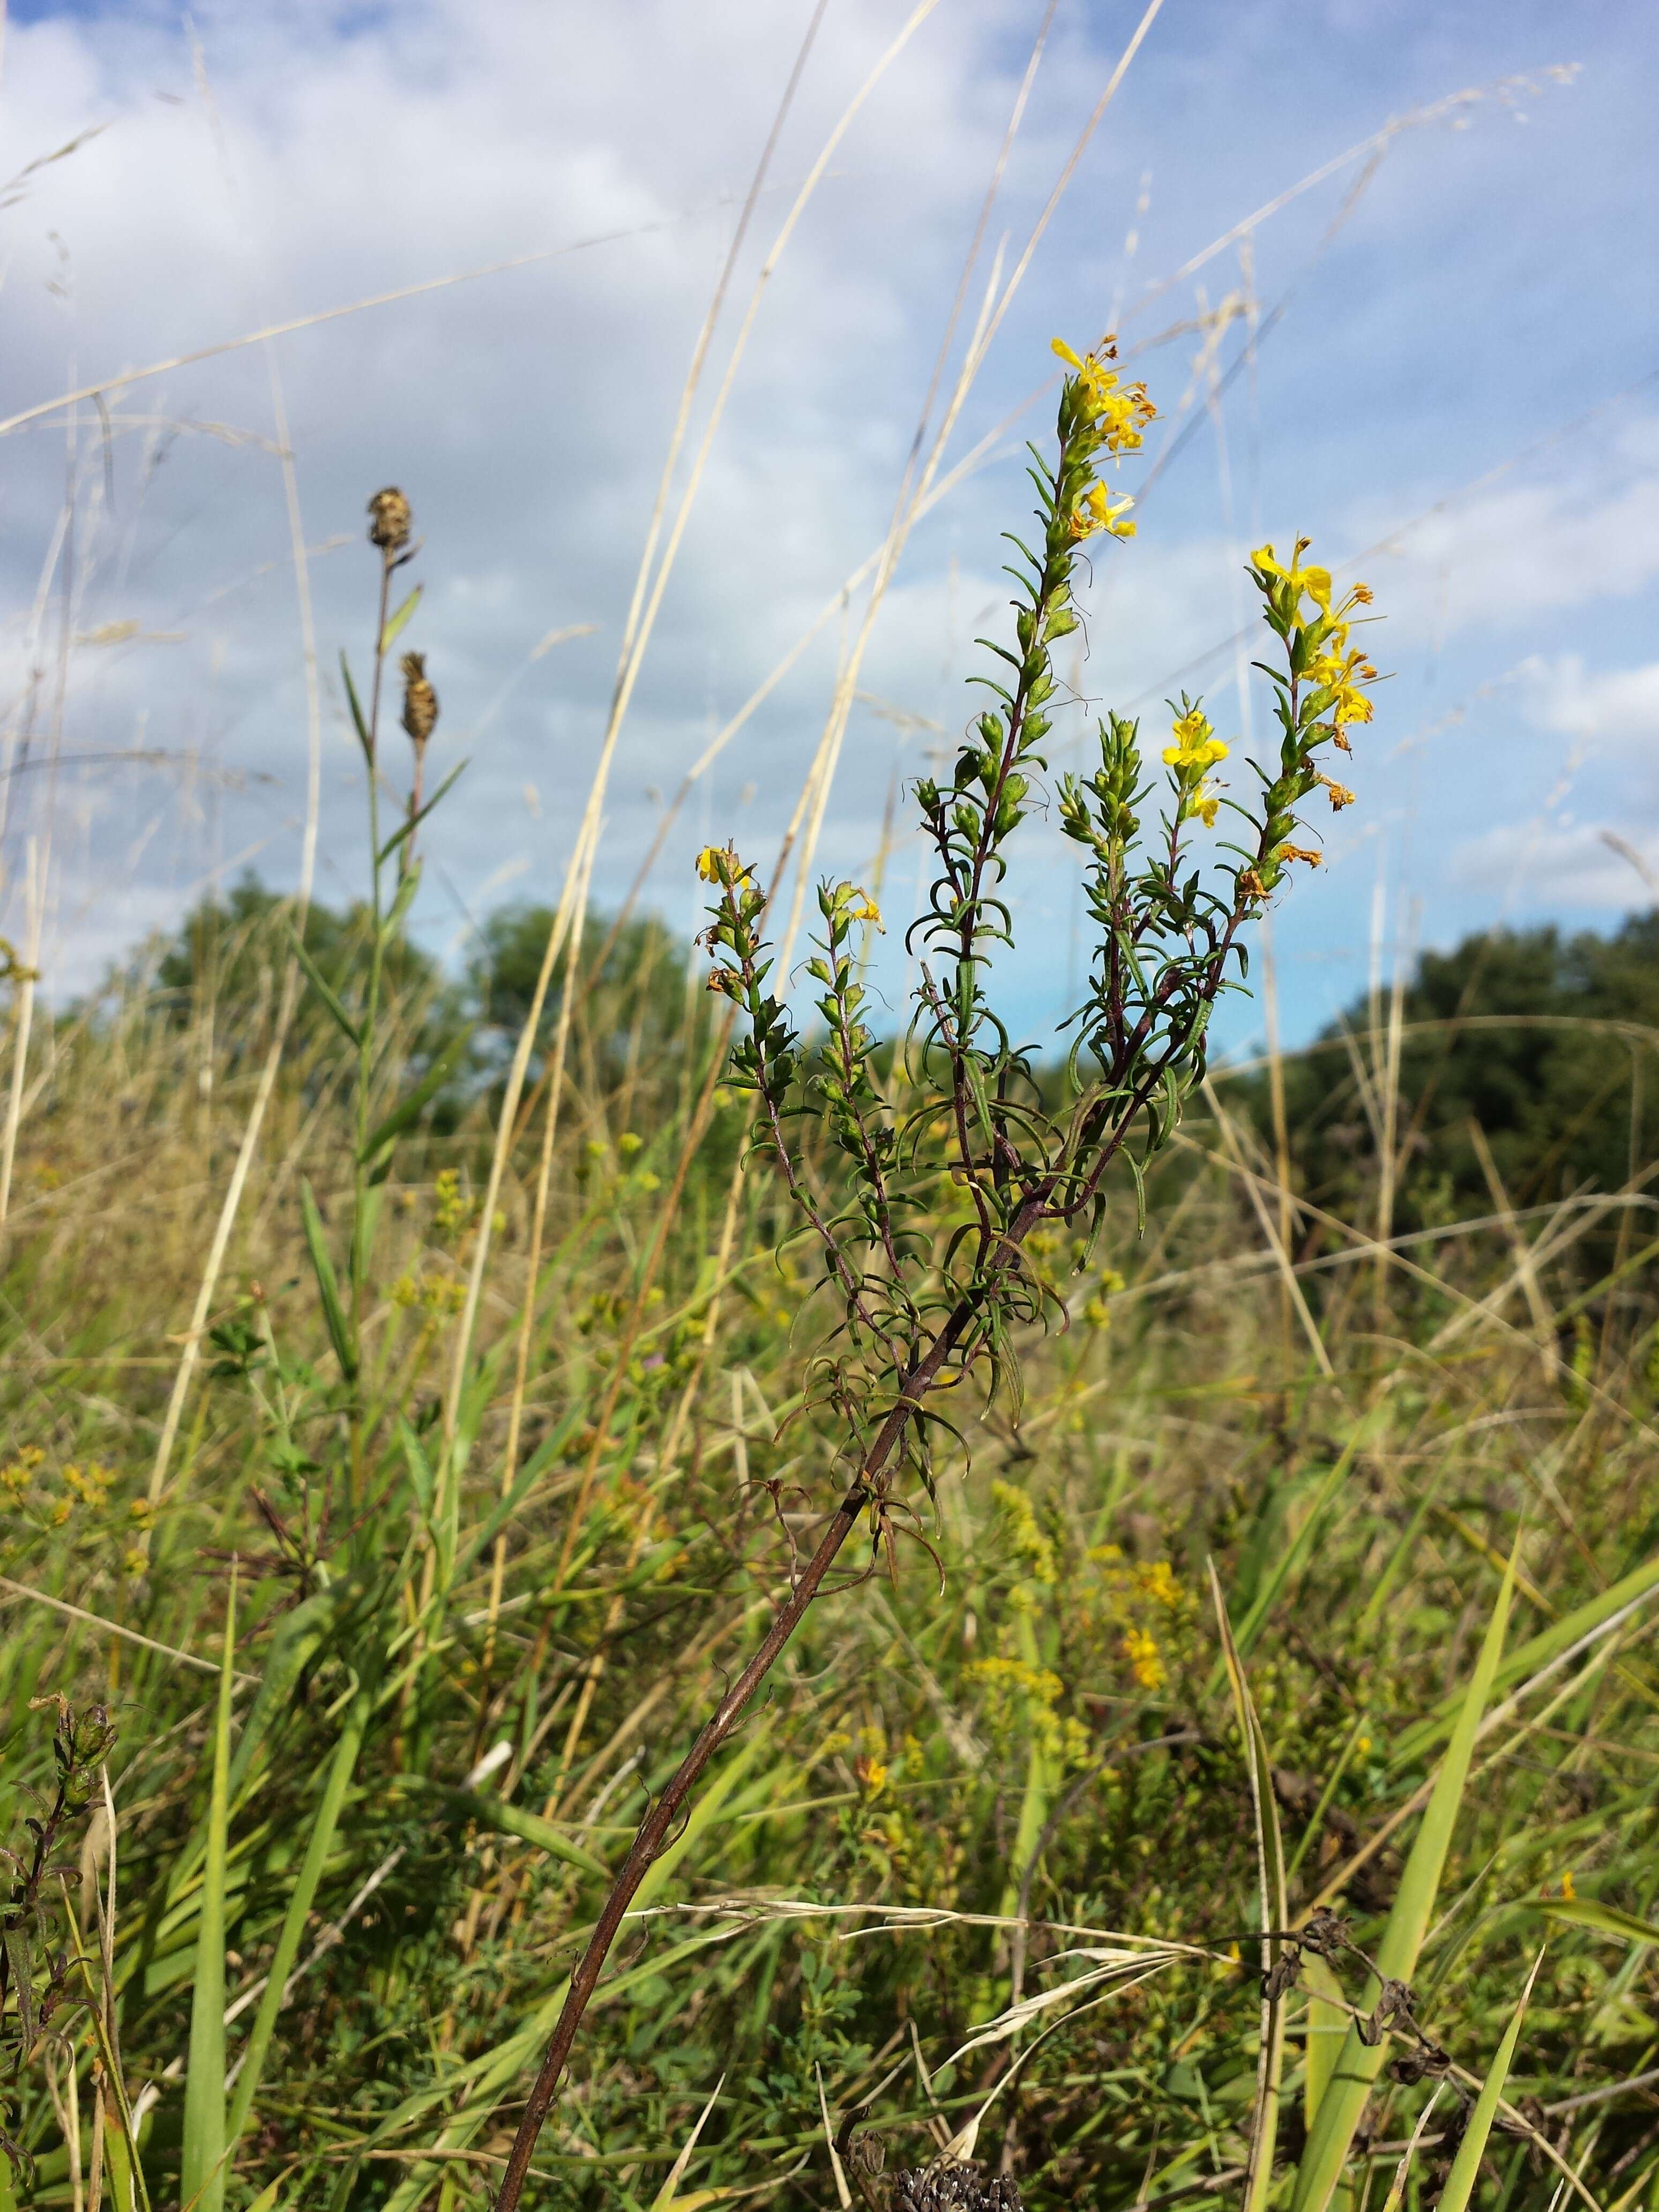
x=420 y=700
x=389 y=520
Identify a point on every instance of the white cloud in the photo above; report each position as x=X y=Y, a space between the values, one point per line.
x=352 y=151
x=1615 y=708
x=1542 y=868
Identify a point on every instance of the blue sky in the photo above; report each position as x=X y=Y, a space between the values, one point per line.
x=1455 y=366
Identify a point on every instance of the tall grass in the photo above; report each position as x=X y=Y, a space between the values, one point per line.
x=1018 y=1816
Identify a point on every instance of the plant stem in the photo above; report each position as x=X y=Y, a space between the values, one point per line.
x=654 y=1830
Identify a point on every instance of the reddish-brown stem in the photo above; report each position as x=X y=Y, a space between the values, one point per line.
x=654 y=1829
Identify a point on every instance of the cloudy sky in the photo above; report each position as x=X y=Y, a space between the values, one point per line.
x=1388 y=269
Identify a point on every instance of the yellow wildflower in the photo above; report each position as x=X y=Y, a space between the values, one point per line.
x=1157 y=1580
x=1342 y=674
x=865 y=910
x=1569 y=1890
x=1204 y=802
x=1145 y=1663
x=1119 y=411
x=1196 y=746
x=719 y=863
x=1315 y=582
x=1301 y=853
x=1097 y=510
x=1340 y=796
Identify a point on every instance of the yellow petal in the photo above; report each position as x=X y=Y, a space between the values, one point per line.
x=1059 y=346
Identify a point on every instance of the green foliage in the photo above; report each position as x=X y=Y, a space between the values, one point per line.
x=632 y=995
x=1537 y=1047
x=488 y=1586
x=225 y=960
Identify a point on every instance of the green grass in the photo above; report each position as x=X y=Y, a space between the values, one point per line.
x=837 y=1910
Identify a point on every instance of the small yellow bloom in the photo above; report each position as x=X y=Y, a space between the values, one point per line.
x=1196 y=747
x=1204 y=802
x=865 y=910
x=1342 y=674
x=1097 y=510
x=1569 y=1892
x=1315 y=582
x=1339 y=794
x=1119 y=411
x=1145 y=1663
x=708 y=863
x=1301 y=853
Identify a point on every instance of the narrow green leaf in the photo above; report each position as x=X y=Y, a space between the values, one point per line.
x=323 y=989
x=396 y=623
x=401 y=904
x=202 y=2168
x=1320 y=2172
x=327 y=1289
x=1537 y=1653
x=1466 y=2166
x=357 y=719
x=301 y=1899
x=1604 y=1919
x=409 y=1109
x=415 y=820
x=502 y=1819
x=1274 y=1908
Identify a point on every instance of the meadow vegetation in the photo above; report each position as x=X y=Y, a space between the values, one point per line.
x=1211 y=1723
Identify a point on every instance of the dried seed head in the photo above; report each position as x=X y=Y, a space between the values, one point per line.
x=389 y=520
x=953 y=2185
x=420 y=700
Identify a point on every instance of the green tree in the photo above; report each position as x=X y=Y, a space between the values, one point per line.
x=1537 y=1048
x=226 y=959
x=628 y=1022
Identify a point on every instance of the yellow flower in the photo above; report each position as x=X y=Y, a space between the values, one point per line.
x=1158 y=1582
x=1301 y=853
x=1342 y=674
x=1141 y=1651
x=1119 y=411
x=1197 y=746
x=1204 y=802
x=865 y=910
x=1569 y=1891
x=1340 y=796
x=719 y=863
x=1097 y=510
x=1315 y=582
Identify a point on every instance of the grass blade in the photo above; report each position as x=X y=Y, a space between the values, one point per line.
x=1270 y=1876
x=325 y=990
x=1537 y=1653
x=328 y=1288
x=1604 y=1919
x=202 y=2169
x=396 y=621
x=1466 y=2166
x=444 y=1064
x=317 y=1846
x=1357 y=2068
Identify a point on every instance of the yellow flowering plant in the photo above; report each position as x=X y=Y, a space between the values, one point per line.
x=964 y=1132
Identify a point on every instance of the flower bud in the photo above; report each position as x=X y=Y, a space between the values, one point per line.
x=420 y=700
x=390 y=520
